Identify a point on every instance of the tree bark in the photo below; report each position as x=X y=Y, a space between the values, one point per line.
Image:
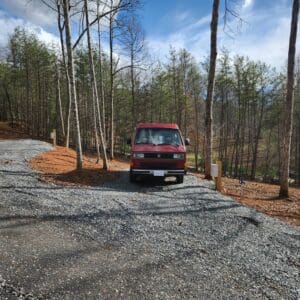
x=112 y=137
x=103 y=102
x=72 y=83
x=210 y=89
x=59 y=99
x=62 y=44
x=289 y=103
x=94 y=86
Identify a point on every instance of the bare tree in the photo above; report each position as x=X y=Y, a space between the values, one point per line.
x=210 y=89
x=94 y=86
x=111 y=90
x=62 y=45
x=102 y=94
x=59 y=105
x=112 y=18
x=71 y=70
x=289 y=104
x=133 y=41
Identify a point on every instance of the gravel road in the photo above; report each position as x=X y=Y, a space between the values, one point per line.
x=136 y=241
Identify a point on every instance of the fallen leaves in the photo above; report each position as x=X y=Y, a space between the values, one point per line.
x=59 y=166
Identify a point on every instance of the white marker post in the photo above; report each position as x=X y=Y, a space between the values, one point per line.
x=53 y=137
x=216 y=172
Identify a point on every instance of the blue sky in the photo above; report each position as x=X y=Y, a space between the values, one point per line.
x=162 y=17
x=263 y=34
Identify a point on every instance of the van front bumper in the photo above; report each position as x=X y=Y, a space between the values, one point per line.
x=161 y=173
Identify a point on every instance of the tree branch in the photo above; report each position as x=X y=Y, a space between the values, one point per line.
x=125 y=67
x=94 y=21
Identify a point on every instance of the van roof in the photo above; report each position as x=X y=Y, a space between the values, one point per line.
x=157 y=125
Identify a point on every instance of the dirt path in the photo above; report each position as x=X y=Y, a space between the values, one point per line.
x=120 y=240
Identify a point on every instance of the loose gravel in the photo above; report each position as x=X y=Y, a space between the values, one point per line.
x=151 y=240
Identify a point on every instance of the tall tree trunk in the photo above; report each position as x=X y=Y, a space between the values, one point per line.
x=11 y=115
x=72 y=83
x=196 y=148
x=289 y=103
x=94 y=86
x=132 y=91
x=210 y=89
x=59 y=100
x=112 y=138
x=62 y=44
x=96 y=128
x=258 y=133
x=101 y=77
x=298 y=153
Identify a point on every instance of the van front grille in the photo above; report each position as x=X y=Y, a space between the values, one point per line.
x=159 y=155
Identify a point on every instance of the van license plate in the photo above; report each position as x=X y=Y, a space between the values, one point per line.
x=159 y=173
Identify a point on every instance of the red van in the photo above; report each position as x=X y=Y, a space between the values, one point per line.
x=158 y=149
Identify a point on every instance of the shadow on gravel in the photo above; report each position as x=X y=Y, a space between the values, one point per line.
x=17 y=173
x=119 y=213
x=111 y=180
x=85 y=177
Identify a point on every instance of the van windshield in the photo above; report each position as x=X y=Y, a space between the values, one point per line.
x=158 y=136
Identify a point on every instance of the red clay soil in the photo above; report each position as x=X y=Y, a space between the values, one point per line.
x=264 y=198
x=59 y=166
x=8 y=133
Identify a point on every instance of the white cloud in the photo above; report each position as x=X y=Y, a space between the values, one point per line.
x=263 y=36
x=33 y=11
x=202 y=21
x=247 y=3
x=8 y=24
x=271 y=48
x=182 y=16
x=160 y=47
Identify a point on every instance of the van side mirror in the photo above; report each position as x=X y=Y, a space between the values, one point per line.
x=129 y=141
x=187 y=142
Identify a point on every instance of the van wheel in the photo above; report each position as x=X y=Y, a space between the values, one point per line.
x=179 y=179
x=132 y=177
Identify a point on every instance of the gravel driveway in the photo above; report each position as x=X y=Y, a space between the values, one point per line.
x=136 y=241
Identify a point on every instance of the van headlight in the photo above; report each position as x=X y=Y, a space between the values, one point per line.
x=138 y=155
x=178 y=156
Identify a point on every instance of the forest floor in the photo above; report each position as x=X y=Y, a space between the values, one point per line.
x=59 y=166
x=264 y=198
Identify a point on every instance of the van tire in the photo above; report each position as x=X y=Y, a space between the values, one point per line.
x=179 y=179
x=132 y=177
